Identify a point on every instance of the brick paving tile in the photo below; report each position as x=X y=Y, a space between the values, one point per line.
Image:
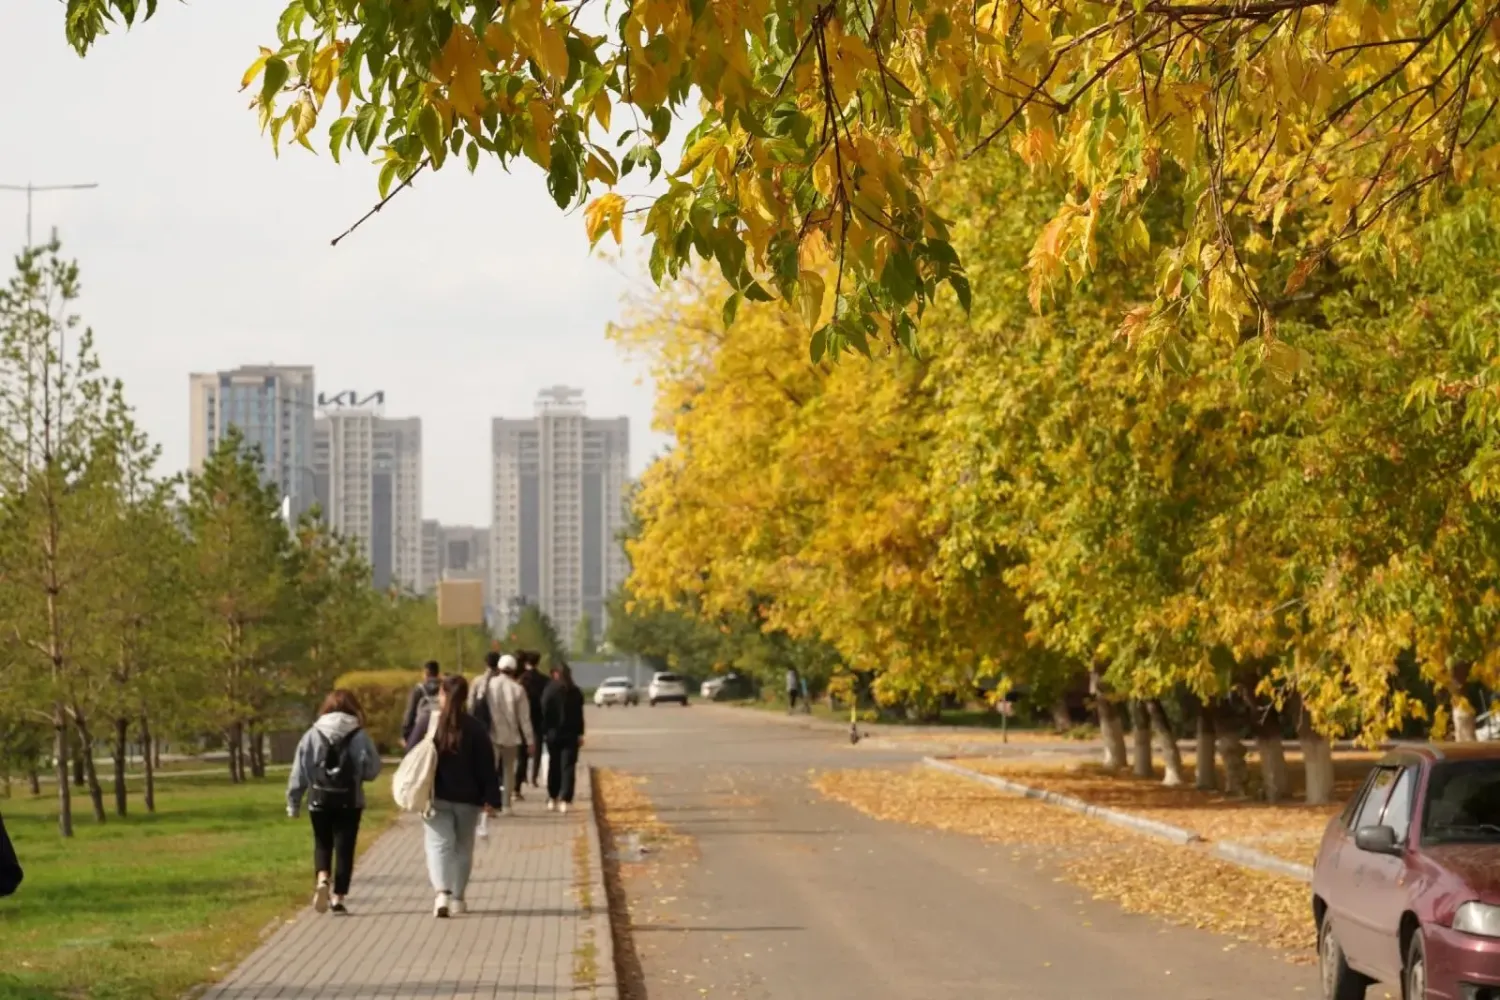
x=521 y=938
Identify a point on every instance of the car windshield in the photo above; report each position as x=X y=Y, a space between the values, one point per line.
x=615 y=683
x=667 y=678
x=1463 y=803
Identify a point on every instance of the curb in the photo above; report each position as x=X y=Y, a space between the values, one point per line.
x=1149 y=827
x=1249 y=857
x=607 y=985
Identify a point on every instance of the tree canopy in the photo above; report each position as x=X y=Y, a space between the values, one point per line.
x=1285 y=133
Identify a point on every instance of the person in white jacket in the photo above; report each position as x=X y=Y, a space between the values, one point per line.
x=509 y=722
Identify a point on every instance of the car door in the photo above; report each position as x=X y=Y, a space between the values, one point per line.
x=1343 y=880
x=1378 y=883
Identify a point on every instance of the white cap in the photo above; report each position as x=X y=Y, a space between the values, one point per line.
x=507 y=664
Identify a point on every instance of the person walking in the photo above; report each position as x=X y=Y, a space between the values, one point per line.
x=334 y=759
x=479 y=708
x=465 y=787
x=562 y=726
x=510 y=724
x=535 y=683
x=10 y=865
x=421 y=701
x=793 y=689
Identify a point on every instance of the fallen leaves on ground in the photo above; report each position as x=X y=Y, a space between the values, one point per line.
x=1183 y=885
x=1288 y=830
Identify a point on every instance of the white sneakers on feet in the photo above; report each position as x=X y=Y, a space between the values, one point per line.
x=552 y=805
x=321 y=896
x=442 y=906
x=484 y=824
x=562 y=807
x=458 y=907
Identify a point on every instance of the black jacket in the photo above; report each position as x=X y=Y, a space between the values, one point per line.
x=414 y=704
x=10 y=865
x=535 y=683
x=562 y=713
x=468 y=776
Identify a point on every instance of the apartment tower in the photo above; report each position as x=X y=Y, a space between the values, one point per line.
x=559 y=482
x=369 y=480
x=273 y=408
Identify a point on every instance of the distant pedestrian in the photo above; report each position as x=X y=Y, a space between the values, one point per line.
x=510 y=724
x=562 y=726
x=422 y=700
x=466 y=786
x=10 y=865
x=793 y=688
x=535 y=683
x=334 y=760
x=480 y=708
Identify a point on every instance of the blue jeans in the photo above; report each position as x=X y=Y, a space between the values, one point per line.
x=450 y=845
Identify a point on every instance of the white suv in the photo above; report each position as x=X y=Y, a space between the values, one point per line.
x=667 y=687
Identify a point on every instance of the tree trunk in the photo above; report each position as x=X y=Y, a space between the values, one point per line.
x=232 y=745
x=122 y=748
x=1273 y=773
x=64 y=789
x=34 y=779
x=91 y=772
x=1464 y=722
x=1317 y=762
x=1232 y=751
x=1207 y=776
x=1062 y=719
x=148 y=757
x=1167 y=741
x=79 y=778
x=155 y=751
x=258 y=752
x=1111 y=733
x=1140 y=732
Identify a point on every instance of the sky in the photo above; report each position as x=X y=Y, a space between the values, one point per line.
x=201 y=251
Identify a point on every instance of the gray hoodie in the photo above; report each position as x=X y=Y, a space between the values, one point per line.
x=335 y=726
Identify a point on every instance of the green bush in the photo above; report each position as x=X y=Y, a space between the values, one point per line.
x=382 y=694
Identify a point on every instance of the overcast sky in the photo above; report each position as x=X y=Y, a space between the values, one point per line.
x=201 y=251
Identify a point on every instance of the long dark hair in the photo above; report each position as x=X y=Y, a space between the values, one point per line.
x=564 y=673
x=450 y=723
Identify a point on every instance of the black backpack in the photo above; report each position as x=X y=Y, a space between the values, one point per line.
x=336 y=775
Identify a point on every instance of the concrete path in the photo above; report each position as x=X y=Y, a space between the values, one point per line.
x=783 y=895
x=537 y=925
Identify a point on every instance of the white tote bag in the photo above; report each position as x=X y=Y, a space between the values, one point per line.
x=412 y=785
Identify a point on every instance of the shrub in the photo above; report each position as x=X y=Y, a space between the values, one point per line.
x=382 y=694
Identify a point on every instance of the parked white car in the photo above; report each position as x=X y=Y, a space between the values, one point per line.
x=617 y=691
x=667 y=687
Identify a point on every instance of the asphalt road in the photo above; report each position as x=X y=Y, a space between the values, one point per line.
x=782 y=895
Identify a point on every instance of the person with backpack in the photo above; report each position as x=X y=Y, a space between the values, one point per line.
x=535 y=683
x=422 y=700
x=465 y=785
x=562 y=726
x=334 y=760
x=481 y=708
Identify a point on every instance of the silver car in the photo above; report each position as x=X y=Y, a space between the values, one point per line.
x=617 y=691
x=667 y=687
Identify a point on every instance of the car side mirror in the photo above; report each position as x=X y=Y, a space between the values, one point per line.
x=1377 y=840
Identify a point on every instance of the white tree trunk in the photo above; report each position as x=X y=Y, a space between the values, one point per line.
x=1112 y=734
x=1273 y=773
x=1317 y=762
x=1207 y=775
x=1167 y=741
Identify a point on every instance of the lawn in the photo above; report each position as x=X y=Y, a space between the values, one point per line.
x=147 y=907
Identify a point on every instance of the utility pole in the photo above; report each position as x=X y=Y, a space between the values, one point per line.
x=30 y=189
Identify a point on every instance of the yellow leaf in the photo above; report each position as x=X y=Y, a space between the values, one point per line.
x=345 y=91
x=601 y=109
x=255 y=68
x=552 y=51
x=811 y=289
x=605 y=212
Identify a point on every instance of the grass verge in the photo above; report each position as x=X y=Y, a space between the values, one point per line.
x=147 y=907
x=1181 y=885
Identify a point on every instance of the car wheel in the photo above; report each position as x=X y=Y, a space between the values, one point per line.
x=1414 y=979
x=1339 y=981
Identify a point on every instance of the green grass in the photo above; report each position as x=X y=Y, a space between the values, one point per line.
x=147 y=907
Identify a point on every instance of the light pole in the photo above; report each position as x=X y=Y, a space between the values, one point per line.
x=30 y=189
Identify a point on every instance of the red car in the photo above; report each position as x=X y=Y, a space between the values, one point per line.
x=1406 y=888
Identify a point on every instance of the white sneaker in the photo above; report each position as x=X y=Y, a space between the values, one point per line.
x=458 y=907
x=320 y=898
x=563 y=807
x=442 y=906
x=484 y=824
x=551 y=805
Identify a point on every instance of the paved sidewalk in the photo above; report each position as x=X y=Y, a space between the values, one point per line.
x=537 y=926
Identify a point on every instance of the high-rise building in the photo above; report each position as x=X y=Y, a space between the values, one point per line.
x=273 y=408
x=369 y=481
x=432 y=556
x=558 y=488
x=462 y=553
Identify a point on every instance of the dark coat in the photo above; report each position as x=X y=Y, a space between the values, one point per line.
x=10 y=865
x=467 y=776
x=562 y=713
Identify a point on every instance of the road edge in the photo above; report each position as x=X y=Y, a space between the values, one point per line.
x=603 y=921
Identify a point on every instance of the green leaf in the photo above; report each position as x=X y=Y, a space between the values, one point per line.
x=819 y=345
x=960 y=285
x=274 y=78
x=473 y=154
x=661 y=123
x=562 y=176
x=387 y=175
x=732 y=308
x=938 y=29
x=430 y=129
x=367 y=125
